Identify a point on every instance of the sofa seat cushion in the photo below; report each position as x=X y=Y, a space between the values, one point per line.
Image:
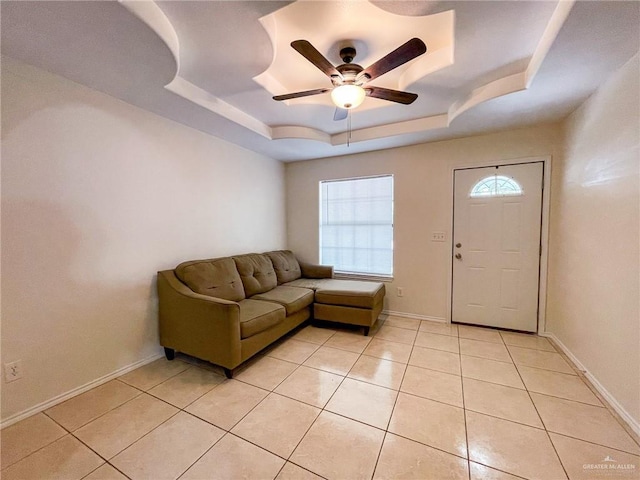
x=286 y=265
x=350 y=293
x=216 y=277
x=257 y=316
x=256 y=272
x=292 y=299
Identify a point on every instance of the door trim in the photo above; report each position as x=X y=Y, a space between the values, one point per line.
x=544 y=231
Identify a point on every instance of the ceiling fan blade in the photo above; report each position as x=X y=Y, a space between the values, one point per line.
x=340 y=114
x=397 y=96
x=308 y=51
x=401 y=55
x=306 y=93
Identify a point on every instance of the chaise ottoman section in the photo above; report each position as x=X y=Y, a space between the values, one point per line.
x=350 y=293
x=349 y=301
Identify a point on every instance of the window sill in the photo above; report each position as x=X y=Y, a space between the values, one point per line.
x=363 y=276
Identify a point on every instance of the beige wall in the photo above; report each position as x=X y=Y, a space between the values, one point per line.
x=98 y=195
x=595 y=240
x=423 y=189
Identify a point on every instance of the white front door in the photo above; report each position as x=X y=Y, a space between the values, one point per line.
x=496 y=246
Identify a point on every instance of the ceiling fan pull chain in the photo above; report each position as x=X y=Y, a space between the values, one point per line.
x=348 y=128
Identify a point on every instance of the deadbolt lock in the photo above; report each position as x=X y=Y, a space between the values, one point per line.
x=458 y=245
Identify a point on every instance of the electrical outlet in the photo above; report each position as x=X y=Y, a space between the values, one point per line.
x=438 y=236
x=13 y=371
x=400 y=291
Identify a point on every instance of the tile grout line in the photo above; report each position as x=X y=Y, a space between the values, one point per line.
x=418 y=441
x=106 y=460
x=596 y=444
x=67 y=432
x=299 y=466
x=322 y=409
x=431 y=446
x=500 y=470
x=140 y=392
x=207 y=450
x=464 y=409
x=540 y=417
x=433 y=370
x=386 y=429
x=272 y=391
x=148 y=392
x=228 y=432
x=348 y=418
x=564 y=398
x=545 y=395
x=109 y=464
x=146 y=434
x=401 y=382
x=188 y=365
x=71 y=432
x=384 y=439
x=285 y=396
x=579 y=374
x=180 y=409
x=582 y=375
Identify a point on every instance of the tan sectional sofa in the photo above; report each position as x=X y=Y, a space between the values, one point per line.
x=225 y=310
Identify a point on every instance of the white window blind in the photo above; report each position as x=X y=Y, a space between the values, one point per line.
x=356 y=225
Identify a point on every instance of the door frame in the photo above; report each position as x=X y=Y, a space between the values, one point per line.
x=544 y=230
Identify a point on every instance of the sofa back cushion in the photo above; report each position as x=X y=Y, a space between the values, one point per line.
x=216 y=277
x=256 y=272
x=286 y=265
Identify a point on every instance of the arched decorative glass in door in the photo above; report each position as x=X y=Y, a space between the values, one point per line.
x=496 y=186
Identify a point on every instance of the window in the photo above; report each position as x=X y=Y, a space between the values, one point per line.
x=356 y=225
x=496 y=186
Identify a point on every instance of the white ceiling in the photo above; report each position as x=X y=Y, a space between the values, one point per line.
x=215 y=65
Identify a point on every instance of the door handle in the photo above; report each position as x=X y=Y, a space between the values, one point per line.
x=459 y=256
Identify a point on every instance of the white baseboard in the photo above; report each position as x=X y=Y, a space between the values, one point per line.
x=414 y=315
x=632 y=422
x=76 y=391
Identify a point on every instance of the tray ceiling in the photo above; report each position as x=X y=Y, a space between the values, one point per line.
x=215 y=65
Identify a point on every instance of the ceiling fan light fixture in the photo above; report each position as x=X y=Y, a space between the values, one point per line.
x=348 y=96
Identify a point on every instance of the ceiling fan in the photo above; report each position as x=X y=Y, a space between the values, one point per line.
x=350 y=80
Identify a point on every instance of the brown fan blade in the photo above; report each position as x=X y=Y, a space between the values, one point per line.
x=340 y=114
x=401 y=55
x=397 y=96
x=306 y=93
x=308 y=51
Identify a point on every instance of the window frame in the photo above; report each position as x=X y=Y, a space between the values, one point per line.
x=350 y=274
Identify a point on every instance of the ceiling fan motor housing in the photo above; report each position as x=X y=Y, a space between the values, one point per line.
x=349 y=72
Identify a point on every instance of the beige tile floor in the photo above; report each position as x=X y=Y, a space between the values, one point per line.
x=414 y=400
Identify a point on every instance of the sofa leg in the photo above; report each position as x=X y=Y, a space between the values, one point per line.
x=170 y=353
x=366 y=331
x=228 y=372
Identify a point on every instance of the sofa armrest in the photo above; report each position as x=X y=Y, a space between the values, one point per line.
x=310 y=270
x=199 y=325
